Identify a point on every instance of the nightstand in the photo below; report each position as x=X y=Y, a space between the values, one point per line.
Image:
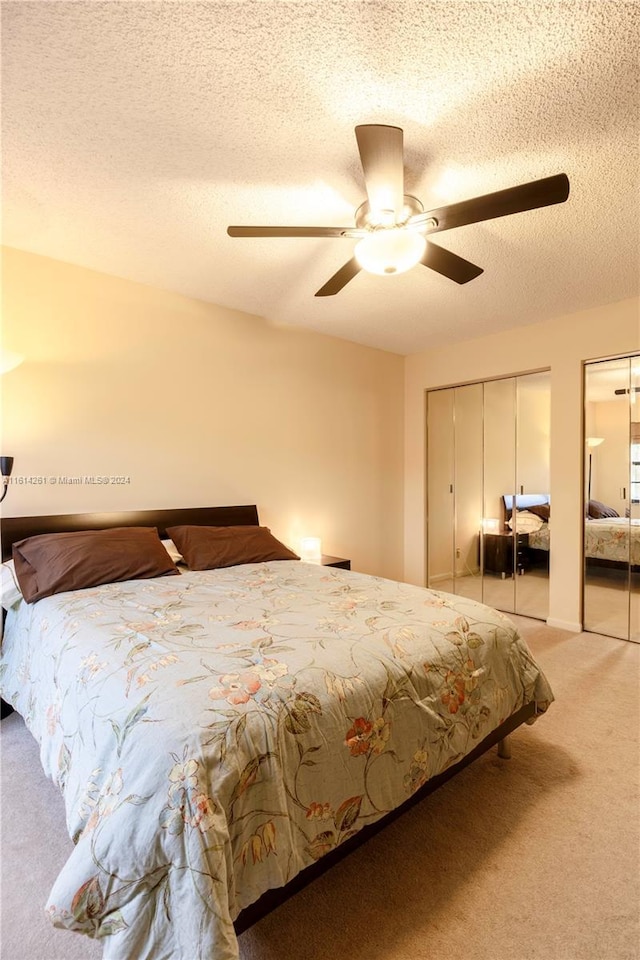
x=498 y=553
x=335 y=562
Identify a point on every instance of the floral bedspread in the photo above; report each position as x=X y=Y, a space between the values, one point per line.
x=540 y=539
x=613 y=538
x=215 y=733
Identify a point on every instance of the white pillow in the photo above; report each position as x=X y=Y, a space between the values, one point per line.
x=10 y=591
x=173 y=551
x=526 y=522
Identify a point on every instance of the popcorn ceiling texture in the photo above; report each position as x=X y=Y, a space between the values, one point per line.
x=135 y=132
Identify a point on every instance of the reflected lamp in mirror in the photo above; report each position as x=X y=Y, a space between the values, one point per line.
x=6 y=466
x=591 y=442
x=311 y=549
x=490 y=525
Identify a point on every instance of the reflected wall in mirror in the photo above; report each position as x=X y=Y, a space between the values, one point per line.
x=487 y=469
x=454 y=490
x=499 y=479
x=468 y=490
x=533 y=515
x=440 y=533
x=634 y=489
x=611 y=596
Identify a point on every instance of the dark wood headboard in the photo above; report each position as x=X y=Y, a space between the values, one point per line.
x=17 y=528
x=523 y=501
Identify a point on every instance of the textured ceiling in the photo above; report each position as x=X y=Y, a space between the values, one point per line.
x=135 y=132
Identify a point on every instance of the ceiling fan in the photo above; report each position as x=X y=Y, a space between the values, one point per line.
x=391 y=226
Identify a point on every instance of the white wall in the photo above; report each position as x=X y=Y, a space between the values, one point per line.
x=199 y=405
x=562 y=345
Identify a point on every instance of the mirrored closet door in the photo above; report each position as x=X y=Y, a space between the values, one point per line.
x=611 y=596
x=499 y=563
x=488 y=500
x=467 y=472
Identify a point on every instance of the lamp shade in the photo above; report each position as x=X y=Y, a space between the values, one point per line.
x=491 y=525
x=594 y=441
x=311 y=549
x=390 y=251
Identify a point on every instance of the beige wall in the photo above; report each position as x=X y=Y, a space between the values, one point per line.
x=561 y=344
x=533 y=446
x=609 y=419
x=199 y=405
x=202 y=405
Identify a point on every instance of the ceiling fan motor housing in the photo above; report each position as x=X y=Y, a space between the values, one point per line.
x=368 y=219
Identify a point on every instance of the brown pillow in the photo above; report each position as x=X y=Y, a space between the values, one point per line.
x=56 y=562
x=600 y=511
x=542 y=510
x=205 y=548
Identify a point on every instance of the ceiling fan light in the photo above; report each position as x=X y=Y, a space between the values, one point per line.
x=383 y=218
x=390 y=251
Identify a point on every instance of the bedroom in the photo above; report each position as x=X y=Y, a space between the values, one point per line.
x=116 y=260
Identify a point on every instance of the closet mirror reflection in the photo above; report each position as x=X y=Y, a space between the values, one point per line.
x=488 y=500
x=612 y=498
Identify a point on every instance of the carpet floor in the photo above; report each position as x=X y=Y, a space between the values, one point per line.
x=533 y=858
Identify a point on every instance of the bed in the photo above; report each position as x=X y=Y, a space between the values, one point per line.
x=609 y=539
x=221 y=737
x=613 y=539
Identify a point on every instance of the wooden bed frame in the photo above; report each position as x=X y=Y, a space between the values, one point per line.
x=18 y=528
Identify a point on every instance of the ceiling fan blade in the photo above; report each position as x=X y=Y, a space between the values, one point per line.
x=295 y=232
x=382 y=158
x=528 y=196
x=449 y=264
x=340 y=279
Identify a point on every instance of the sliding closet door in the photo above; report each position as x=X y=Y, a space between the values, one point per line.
x=499 y=479
x=440 y=479
x=485 y=442
x=533 y=430
x=468 y=490
x=608 y=473
x=634 y=490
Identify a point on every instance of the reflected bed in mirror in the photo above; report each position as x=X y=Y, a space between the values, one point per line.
x=612 y=498
x=533 y=512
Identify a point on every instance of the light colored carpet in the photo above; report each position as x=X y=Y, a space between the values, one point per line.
x=535 y=858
